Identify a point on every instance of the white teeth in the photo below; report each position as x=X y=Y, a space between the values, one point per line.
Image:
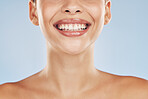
x=75 y=27
x=79 y=26
x=72 y=27
x=83 y=26
x=62 y=27
x=66 y=27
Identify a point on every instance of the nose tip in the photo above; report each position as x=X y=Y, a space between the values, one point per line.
x=72 y=7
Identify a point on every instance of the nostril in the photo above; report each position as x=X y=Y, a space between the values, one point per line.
x=66 y=10
x=69 y=11
x=78 y=11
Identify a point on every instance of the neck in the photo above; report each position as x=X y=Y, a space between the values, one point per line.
x=70 y=73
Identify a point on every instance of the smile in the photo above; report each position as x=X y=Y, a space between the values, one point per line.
x=72 y=27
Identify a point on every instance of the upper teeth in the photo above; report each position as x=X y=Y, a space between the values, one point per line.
x=72 y=26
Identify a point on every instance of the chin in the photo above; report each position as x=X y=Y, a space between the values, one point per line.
x=73 y=50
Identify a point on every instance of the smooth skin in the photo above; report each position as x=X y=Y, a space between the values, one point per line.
x=70 y=72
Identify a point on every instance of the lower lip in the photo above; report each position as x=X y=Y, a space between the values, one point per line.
x=72 y=33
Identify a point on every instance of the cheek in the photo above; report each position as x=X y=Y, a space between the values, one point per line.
x=46 y=12
x=97 y=13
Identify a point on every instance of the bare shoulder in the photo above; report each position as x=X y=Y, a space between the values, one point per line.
x=15 y=90
x=133 y=87
x=18 y=89
x=127 y=87
x=8 y=90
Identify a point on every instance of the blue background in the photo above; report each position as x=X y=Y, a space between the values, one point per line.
x=121 y=48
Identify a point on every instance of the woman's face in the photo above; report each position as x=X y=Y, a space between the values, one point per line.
x=51 y=11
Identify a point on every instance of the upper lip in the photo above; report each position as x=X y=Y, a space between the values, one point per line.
x=72 y=21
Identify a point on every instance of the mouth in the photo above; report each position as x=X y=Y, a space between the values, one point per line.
x=72 y=27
